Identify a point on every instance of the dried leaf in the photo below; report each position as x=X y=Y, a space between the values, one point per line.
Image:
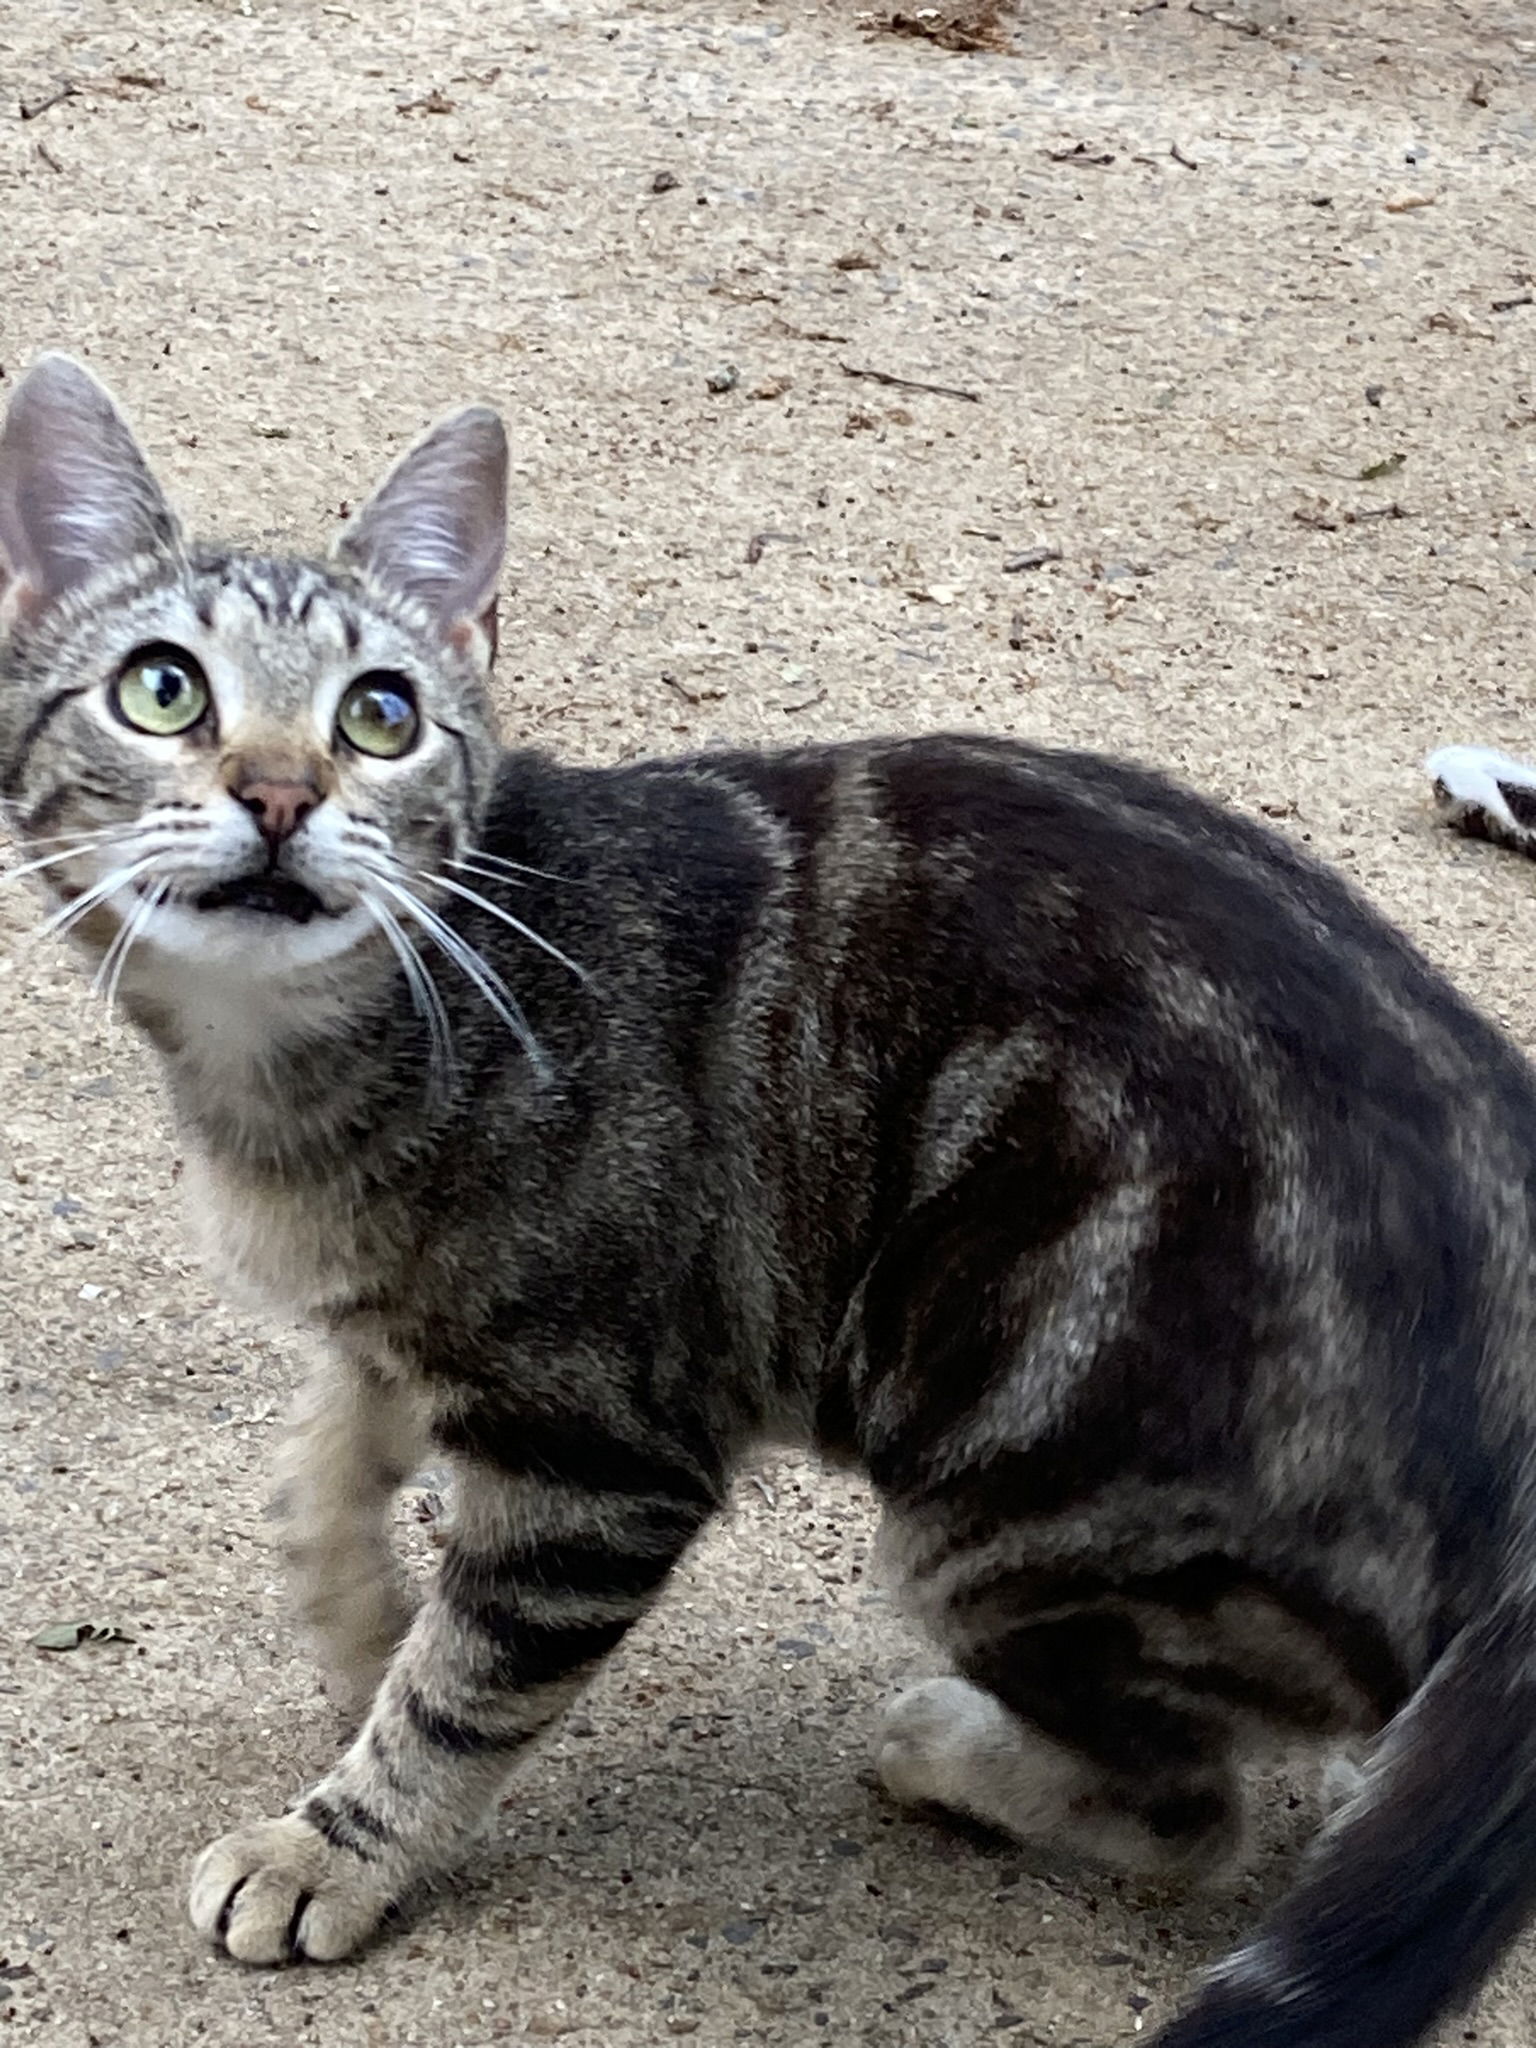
x=71 y=1635
x=60 y=1635
x=434 y=102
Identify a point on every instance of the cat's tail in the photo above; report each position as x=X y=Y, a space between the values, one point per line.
x=1417 y=1884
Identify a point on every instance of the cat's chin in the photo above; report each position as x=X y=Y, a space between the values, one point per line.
x=253 y=939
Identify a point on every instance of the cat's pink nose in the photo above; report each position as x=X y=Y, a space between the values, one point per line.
x=279 y=808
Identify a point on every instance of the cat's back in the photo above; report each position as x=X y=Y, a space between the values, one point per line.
x=1066 y=1013
x=1063 y=888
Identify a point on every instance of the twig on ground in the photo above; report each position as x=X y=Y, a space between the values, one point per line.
x=910 y=383
x=1238 y=28
x=30 y=109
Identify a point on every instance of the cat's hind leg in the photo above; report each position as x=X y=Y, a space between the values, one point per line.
x=354 y=1438
x=1059 y=1736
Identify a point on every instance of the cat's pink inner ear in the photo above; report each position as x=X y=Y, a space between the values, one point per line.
x=76 y=495
x=435 y=529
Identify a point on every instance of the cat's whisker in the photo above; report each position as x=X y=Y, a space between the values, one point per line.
x=488 y=874
x=472 y=965
x=510 y=867
x=94 y=836
x=53 y=860
x=516 y=923
x=425 y=995
x=106 y=967
x=90 y=899
x=128 y=935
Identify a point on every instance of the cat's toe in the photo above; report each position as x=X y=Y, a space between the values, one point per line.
x=278 y=1892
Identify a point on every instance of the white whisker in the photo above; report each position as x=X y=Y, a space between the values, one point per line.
x=80 y=840
x=527 y=931
x=127 y=936
x=71 y=913
x=49 y=860
x=425 y=996
x=509 y=867
x=488 y=874
x=471 y=965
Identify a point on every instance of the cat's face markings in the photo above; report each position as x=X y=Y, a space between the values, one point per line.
x=257 y=764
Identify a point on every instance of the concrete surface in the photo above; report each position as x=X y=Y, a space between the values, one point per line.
x=289 y=233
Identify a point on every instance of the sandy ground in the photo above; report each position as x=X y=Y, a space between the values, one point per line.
x=1269 y=402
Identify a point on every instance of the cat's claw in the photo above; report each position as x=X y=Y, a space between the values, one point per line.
x=278 y=1892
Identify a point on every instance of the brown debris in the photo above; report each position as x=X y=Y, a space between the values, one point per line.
x=972 y=25
x=434 y=102
x=1080 y=153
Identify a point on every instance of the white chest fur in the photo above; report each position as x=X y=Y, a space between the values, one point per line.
x=290 y=1251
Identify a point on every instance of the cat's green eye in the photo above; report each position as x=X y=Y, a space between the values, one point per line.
x=378 y=716
x=160 y=690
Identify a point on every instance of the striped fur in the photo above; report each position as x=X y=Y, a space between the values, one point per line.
x=1153 y=1226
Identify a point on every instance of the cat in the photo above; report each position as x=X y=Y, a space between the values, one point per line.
x=1104 y=1179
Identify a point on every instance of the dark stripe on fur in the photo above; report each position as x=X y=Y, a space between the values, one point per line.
x=346 y=1825
x=936 y=1316
x=467 y=769
x=577 y=1449
x=589 y=1567
x=33 y=730
x=531 y=1653
x=1355 y=1641
x=460 y=1738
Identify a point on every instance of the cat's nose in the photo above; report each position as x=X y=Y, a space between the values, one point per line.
x=279 y=808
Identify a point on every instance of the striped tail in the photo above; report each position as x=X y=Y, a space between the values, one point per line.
x=1417 y=1885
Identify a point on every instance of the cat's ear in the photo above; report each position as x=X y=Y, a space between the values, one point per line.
x=435 y=528
x=76 y=495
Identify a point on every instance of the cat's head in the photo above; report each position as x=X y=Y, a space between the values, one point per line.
x=255 y=764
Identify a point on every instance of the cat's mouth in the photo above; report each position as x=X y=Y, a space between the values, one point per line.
x=271 y=895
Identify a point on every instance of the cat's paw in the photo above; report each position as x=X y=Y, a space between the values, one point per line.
x=278 y=1892
x=930 y=1735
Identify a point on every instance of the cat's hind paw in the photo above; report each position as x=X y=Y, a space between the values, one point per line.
x=937 y=1737
x=279 y=1892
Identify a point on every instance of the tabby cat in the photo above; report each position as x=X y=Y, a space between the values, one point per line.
x=1105 y=1180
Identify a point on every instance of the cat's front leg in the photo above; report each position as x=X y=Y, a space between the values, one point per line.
x=355 y=1436
x=539 y=1580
